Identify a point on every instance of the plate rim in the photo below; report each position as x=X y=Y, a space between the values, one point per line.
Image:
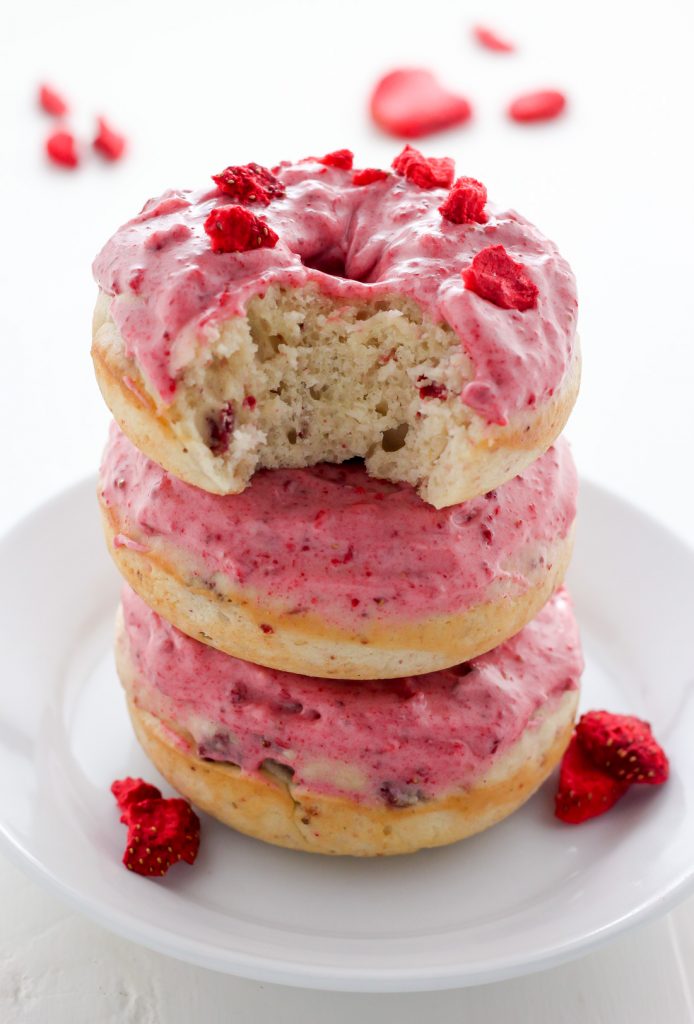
x=333 y=977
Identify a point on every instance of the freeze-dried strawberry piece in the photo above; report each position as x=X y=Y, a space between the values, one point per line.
x=249 y=183
x=426 y=172
x=623 y=746
x=494 y=276
x=161 y=833
x=51 y=101
x=537 y=106
x=342 y=158
x=235 y=229
x=431 y=388
x=491 y=40
x=220 y=429
x=411 y=102
x=109 y=143
x=131 y=791
x=465 y=203
x=584 y=791
x=368 y=175
x=62 y=149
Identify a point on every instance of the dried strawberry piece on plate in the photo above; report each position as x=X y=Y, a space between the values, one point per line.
x=411 y=102
x=131 y=791
x=623 y=746
x=465 y=202
x=584 y=791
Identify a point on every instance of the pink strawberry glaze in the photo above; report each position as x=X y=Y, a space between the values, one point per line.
x=402 y=739
x=333 y=538
x=170 y=290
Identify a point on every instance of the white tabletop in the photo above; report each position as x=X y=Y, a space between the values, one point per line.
x=200 y=86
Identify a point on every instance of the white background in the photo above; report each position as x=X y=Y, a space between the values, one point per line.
x=198 y=86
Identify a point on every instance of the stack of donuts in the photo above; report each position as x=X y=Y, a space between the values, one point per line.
x=337 y=496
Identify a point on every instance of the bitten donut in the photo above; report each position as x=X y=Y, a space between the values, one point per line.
x=315 y=313
x=369 y=768
x=329 y=572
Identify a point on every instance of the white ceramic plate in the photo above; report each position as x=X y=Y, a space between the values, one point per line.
x=525 y=895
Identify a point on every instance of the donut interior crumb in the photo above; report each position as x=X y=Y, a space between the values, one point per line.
x=304 y=378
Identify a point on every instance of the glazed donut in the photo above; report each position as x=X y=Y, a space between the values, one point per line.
x=366 y=769
x=362 y=322
x=328 y=572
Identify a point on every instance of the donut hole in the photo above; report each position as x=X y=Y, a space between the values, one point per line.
x=331 y=263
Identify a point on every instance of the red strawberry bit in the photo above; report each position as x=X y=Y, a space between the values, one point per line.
x=52 y=102
x=426 y=172
x=488 y=38
x=235 y=229
x=537 y=106
x=161 y=833
x=62 y=149
x=107 y=142
x=250 y=183
x=131 y=791
x=368 y=176
x=584 y=791
x=220 y=429
x=342 y=158
x=411 y=102
x=432 y=388
x=465 y=202
x=623 y=746
x=494 y=276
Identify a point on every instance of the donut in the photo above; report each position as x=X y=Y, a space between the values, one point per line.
x=329 y=572
x=314 y=313
x=365 y=769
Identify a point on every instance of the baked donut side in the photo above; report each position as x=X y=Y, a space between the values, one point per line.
x=305 y=643
x=273 y=810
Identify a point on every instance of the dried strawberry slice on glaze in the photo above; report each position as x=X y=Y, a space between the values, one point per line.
x=235 y=229
x=410 y=103
x=249 y=183
x=426 y=172
x=494 y=276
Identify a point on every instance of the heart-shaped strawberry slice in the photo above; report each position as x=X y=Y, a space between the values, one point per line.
x=411 y=102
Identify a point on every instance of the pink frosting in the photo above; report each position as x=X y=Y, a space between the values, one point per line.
x=375 y=241
x=334 y=539
x=407 y=739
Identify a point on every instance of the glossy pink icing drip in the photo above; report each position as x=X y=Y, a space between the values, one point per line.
x=416 y=736
x=170 y=289
x=334 y=539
